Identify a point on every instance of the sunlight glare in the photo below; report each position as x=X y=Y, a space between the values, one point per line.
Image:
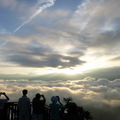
x=70 y=71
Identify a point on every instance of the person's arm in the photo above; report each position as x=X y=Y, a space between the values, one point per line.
x=44 y=99
x=6 y=96
x=59 y=101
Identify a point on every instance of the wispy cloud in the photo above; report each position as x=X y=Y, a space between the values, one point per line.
x=98 y=22
x=84 y=13
x=40 y=6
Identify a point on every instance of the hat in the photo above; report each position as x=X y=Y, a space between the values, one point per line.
x=54 y=99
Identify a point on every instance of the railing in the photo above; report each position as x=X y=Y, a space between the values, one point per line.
x=11 y=111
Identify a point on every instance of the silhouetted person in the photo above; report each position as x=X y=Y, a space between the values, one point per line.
x=24 y=106
x=55 y=108
x=38 y=104
x=2 y=110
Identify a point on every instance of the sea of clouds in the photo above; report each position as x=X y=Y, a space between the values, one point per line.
x=99 y=96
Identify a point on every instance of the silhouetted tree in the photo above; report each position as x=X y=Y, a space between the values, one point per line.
x=73 y=110
x=86 y=115
x=67 y=100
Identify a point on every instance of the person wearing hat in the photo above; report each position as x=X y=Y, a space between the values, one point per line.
x=55 y=107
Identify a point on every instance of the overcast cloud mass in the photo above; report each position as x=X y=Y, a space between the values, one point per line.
x=49 y=38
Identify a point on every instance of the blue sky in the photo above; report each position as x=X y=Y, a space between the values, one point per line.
x=59 y=36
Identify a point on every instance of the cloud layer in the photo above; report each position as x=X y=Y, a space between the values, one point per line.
x=100 y=96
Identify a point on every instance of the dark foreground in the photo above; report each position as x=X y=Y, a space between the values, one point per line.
x=11 y=111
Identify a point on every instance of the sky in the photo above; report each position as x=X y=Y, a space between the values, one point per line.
x=51 y=46
x=47 y=36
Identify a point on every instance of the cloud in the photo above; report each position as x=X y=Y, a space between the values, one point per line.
x=48 y=3
x=99 y=96
x=40 y=52
x=115 y=58
x=50 y=60
x=8 y=3
x=99 y=20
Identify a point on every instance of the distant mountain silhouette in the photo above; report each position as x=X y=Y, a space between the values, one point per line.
x=108 y=73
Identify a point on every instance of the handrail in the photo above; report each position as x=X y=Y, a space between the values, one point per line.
x=11 y=111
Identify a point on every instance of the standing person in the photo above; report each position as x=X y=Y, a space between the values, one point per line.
x=55 y=108
x=24 y=106
x=2 y=102
x=38 y=104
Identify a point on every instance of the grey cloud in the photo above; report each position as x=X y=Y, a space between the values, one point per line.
x=8 y=3
x=38 y=48
x=101 y=23
x=115 y=59
x=39 y=53
x=50 y=60
x=108 y=38
x=66 y=35
x=115 y=84
x=103 y=82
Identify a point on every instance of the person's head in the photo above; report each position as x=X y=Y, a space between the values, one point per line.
x=24 y=92
x=54 y=99
x=37 y=96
